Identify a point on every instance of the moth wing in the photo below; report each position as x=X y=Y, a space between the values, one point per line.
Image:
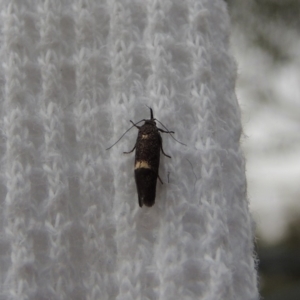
x=146 y=186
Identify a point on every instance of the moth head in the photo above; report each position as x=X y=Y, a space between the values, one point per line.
x=150 y=122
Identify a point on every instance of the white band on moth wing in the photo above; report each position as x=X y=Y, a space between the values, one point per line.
x=141 y=164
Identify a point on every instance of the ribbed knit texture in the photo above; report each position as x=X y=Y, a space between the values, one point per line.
x=72 y=75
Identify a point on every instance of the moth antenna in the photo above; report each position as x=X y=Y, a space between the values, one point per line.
x=192 y=169
x=169 y=133
x=193 y=172
x=124 y=134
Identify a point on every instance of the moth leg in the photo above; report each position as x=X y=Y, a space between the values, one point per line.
x=160 y=179
x=138 y=127
x=161 y=130
x=162 y=150
x=131 y=150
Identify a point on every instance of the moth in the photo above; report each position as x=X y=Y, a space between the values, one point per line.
x=147 y=156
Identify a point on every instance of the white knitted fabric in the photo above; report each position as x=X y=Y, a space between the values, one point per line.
x=73 y=73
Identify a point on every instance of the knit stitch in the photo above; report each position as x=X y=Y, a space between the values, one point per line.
x=73 y=74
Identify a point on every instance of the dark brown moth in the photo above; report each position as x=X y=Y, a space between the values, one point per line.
x=147 y=155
